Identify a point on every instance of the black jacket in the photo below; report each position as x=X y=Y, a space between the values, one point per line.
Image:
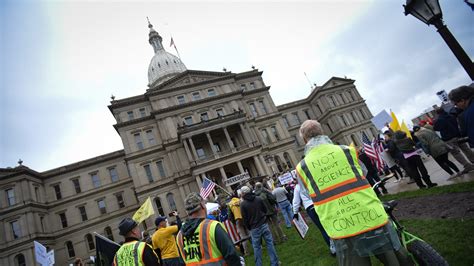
x=223 y=241
x=447 y=125
x=253 y=211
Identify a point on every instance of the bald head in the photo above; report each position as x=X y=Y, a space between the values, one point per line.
x=310 y=129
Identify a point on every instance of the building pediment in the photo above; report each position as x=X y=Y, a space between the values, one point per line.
x=191 y=78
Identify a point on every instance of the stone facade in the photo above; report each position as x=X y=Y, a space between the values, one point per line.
x=196 y=124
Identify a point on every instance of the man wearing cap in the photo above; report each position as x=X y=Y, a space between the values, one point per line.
x=202 y=241
x=164 y=240
x=133 y=251
x=255 y=219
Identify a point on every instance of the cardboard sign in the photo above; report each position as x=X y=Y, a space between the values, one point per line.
x=236 y=179
x=286 y=178
x=301 y=226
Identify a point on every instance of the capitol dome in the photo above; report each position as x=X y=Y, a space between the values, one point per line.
x=163 y=65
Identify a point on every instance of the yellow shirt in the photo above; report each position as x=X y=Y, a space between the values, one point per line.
x=164 y=239
x=234 y=205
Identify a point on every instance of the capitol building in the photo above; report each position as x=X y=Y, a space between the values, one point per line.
x=187 y=125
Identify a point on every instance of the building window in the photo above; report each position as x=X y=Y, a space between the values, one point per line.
x=161 y=169
x=253 y=110
x=188 y=120
x=217 y=147
x=286 y=156
x=113 y=174
x=252 y=85
x=57 y=191
x=200 y=153
x=70 y=249
x=10 y=196
x=362 y=114
x=148 y=173
x=37 y=193
x=204 y=117
x=354 y=117
x=63 y=219
x=130 y=115
x=171 y=202
x=77 y=185
x=42 y=223
x=243 y=87
x=159 y=207
x=266 y=139
x=20 y=260
x=142 y=112
x=285 y=121
x=101 y=205
x=275 y=133
x=150 y=137
x=196 y=96
x=83 y=213
x=138 y=141
x=211 y=92
x=343 y=119
x=296 y=118
x=278 y=163
x=108 y=233
x=262 y=106
x=16 y=230
x=90 y=242
x=306 y=112
x=295 y=139
x=95 y=180
x=220 y=112
x=181 y=99
x=120 y=201
x=319 y=108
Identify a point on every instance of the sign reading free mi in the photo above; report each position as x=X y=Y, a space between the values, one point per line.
x=236 y=179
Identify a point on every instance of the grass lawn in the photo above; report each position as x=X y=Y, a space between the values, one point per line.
x=452 y=238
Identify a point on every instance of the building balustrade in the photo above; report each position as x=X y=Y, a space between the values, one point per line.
x=223 y=153
x=210 y=122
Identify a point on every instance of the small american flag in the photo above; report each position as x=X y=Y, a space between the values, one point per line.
x=373 y=150
x=207 y=187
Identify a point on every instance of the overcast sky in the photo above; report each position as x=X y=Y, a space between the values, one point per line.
x=61 y=61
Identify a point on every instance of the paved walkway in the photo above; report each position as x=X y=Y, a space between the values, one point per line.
x=437 y=175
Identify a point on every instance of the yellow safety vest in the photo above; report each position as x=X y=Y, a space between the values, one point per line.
x=201 y=247
x=342 y=197
x=130 y=254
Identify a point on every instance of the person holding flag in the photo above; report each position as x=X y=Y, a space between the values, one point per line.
x=133 y=251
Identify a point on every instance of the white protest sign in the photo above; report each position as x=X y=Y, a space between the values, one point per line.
x=236 y=179
x=286 y=178
x=41 y=254
x=51 y=257
x=301 y=226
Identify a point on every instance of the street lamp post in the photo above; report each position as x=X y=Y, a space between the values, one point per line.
x=429 y=12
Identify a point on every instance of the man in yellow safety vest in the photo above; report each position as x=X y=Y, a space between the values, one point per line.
x=134 y=252
x=202 y=241
x=348 y=208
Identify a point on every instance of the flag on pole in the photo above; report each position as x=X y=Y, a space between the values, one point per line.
x=207 y=187
x=105 y=250
x=373 y=149
x=394 y=125
x=173 y=44
x=145 y=211
x=404 y=128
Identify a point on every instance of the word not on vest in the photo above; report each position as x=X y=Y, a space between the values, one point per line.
x=192 y=247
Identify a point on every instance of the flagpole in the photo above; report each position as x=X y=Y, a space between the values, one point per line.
x=105 y=238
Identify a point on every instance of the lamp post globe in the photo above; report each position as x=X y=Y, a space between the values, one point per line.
x=429 y=12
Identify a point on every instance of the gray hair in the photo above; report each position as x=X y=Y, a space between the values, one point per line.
x=310 y=129
x=258 y=185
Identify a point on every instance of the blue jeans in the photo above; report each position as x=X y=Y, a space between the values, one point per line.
x=257 y=234
x=287 y=212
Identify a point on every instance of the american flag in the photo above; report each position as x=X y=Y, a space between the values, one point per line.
x=373 y=149
x=207 y=187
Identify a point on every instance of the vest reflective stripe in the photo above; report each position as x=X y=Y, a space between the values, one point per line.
x=136 y=248
x=209 y=254
x=342 y=197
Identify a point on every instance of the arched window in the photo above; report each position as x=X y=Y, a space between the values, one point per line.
x=354 y=140
x=287 y=159
x=20 y=260
x=278 y=163
x=171 y=203
x=90 y=242
x=70 y=249
x=159 y=207
x=108 y=233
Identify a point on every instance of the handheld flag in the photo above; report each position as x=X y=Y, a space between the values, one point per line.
x=373 y=150
x=145 y=211
x=394 y=125
x=207 y=187
x=105 y=250
x=404 y=128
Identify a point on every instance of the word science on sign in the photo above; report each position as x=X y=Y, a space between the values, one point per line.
x=236 y=179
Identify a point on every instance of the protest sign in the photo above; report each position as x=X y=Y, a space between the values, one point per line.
x=286 y=178
x=41 y=254
x=236 y=179
x=301 y=226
